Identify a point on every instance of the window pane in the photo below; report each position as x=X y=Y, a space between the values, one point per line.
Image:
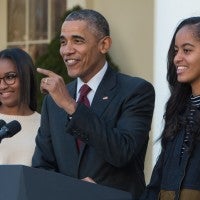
x=58 y=11
x=38 y=19
x=16 y=20
x=37 y=50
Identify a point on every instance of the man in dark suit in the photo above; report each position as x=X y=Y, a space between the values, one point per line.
x=113 y=129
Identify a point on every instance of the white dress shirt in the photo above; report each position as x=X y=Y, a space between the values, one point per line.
x=93 y=83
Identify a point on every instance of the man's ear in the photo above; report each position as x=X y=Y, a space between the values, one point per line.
x=105 y=44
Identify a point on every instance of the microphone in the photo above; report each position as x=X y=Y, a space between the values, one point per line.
x=10 y=129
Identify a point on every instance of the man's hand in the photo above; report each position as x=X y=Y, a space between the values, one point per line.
x=55 y=86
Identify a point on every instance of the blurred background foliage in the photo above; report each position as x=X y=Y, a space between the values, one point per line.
x=52 y=60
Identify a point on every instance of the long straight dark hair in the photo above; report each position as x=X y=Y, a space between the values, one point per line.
x=26 y=73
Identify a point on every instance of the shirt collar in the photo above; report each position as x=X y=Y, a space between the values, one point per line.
x=94 y=82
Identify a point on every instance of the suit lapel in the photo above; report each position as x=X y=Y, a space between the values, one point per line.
x=72 y=88
x=105 y=92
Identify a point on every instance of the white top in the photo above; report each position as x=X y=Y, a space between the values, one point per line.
x=19 y=149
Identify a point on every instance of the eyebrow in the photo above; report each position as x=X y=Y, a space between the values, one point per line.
x=11 y=72
x=7 y=73
x=186 y=44
x=73 y=36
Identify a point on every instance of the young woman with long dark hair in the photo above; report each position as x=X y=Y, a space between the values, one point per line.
x=176 y=174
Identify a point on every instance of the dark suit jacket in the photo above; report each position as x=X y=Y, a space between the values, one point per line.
x=115 y=130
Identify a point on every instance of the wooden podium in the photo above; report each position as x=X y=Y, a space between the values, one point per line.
x=18 y=182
